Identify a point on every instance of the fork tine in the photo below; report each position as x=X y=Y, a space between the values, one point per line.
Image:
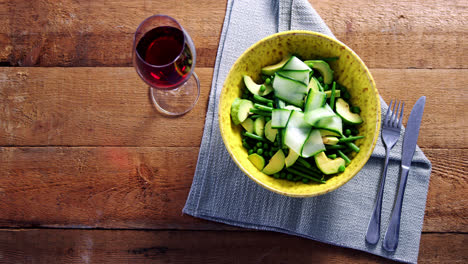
x=401 y=115
x=392 y=118
x=395 y=120
x=388 y=111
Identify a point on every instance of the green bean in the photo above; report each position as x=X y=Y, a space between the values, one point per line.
x=303 y=175
x=303 y=162
x=253 y=136
x=260 y=112
x=352 y=146
x=260 y=99
x=297 y=178
x=337 y=146
x=312 y=171
x=342 y=155
x=332 y=156
x=263 y=107
x=332 y=97
x=351 y=138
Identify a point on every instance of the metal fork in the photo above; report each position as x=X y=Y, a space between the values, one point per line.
x=391 y=127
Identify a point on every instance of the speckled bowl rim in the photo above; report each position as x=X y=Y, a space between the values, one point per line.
x=378 y=114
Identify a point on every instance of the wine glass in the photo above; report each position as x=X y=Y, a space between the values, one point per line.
x=164 y=56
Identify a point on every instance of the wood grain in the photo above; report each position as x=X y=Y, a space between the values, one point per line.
x=146 y=187
x=383 y=33
x=104 y=246
x=401 y=34
x=96 y=33
x=111 y=107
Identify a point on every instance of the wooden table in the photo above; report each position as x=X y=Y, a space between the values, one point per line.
x=91 y=173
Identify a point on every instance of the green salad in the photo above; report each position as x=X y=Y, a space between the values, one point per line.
x=298 y=125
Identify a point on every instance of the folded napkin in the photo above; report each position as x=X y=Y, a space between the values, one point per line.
x=221 y=192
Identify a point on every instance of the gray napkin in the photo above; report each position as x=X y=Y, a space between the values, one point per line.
x=221 y=192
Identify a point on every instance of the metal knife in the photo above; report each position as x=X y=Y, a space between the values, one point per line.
x=390 y=242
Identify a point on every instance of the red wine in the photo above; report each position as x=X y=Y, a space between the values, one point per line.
x=168 y=59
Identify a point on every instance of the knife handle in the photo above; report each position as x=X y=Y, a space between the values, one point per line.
x=390 y=242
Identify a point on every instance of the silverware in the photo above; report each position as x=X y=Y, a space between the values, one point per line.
x=390 y=242
x=391 y=127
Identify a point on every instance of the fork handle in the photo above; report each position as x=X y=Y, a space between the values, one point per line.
x=373 y=230
x=391 y=237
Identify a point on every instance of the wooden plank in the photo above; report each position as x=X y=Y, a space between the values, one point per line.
x=111 y=107
x=115 y=187
x=125 y=246
x=96 y=33
x=91 y=106
x=407 y=34
x=401 y=34
x=446 y=97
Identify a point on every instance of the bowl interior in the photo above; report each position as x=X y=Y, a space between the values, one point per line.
x=349 y=70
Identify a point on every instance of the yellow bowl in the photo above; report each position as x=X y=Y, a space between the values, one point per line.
x=349 y=70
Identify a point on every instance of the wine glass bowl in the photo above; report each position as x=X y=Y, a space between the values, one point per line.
x=164 y=57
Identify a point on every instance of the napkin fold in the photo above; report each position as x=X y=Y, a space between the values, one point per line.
x=222 y=192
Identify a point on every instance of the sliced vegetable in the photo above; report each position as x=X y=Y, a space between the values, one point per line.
x=291 y=158
x=315 y=99
x=323 y=68
x=313 y=144
x=326 y=165
x=240 y=109
x=276 y=163
x=295 y=64
x=255 y=88
x=271 y=69
x=342 y=109
x=279 y=118
x=248 y=125
x=333 y=124
x=314 y=116
x=257 y=160
x=296 y=132
x=270 y=133
x=259 y=126
x=298 y=75
x=289 y=90
x=329 y=140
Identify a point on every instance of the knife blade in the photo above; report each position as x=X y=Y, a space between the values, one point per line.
x=412 y=132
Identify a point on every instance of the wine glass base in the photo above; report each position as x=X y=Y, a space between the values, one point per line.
x=178 y=101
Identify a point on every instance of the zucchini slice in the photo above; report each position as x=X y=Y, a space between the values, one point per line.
x=295 y=64
x=257 y=160
x=313 y=144
x=279 y=118
x=289 y=90
x=297 y=132
x=240 y=109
